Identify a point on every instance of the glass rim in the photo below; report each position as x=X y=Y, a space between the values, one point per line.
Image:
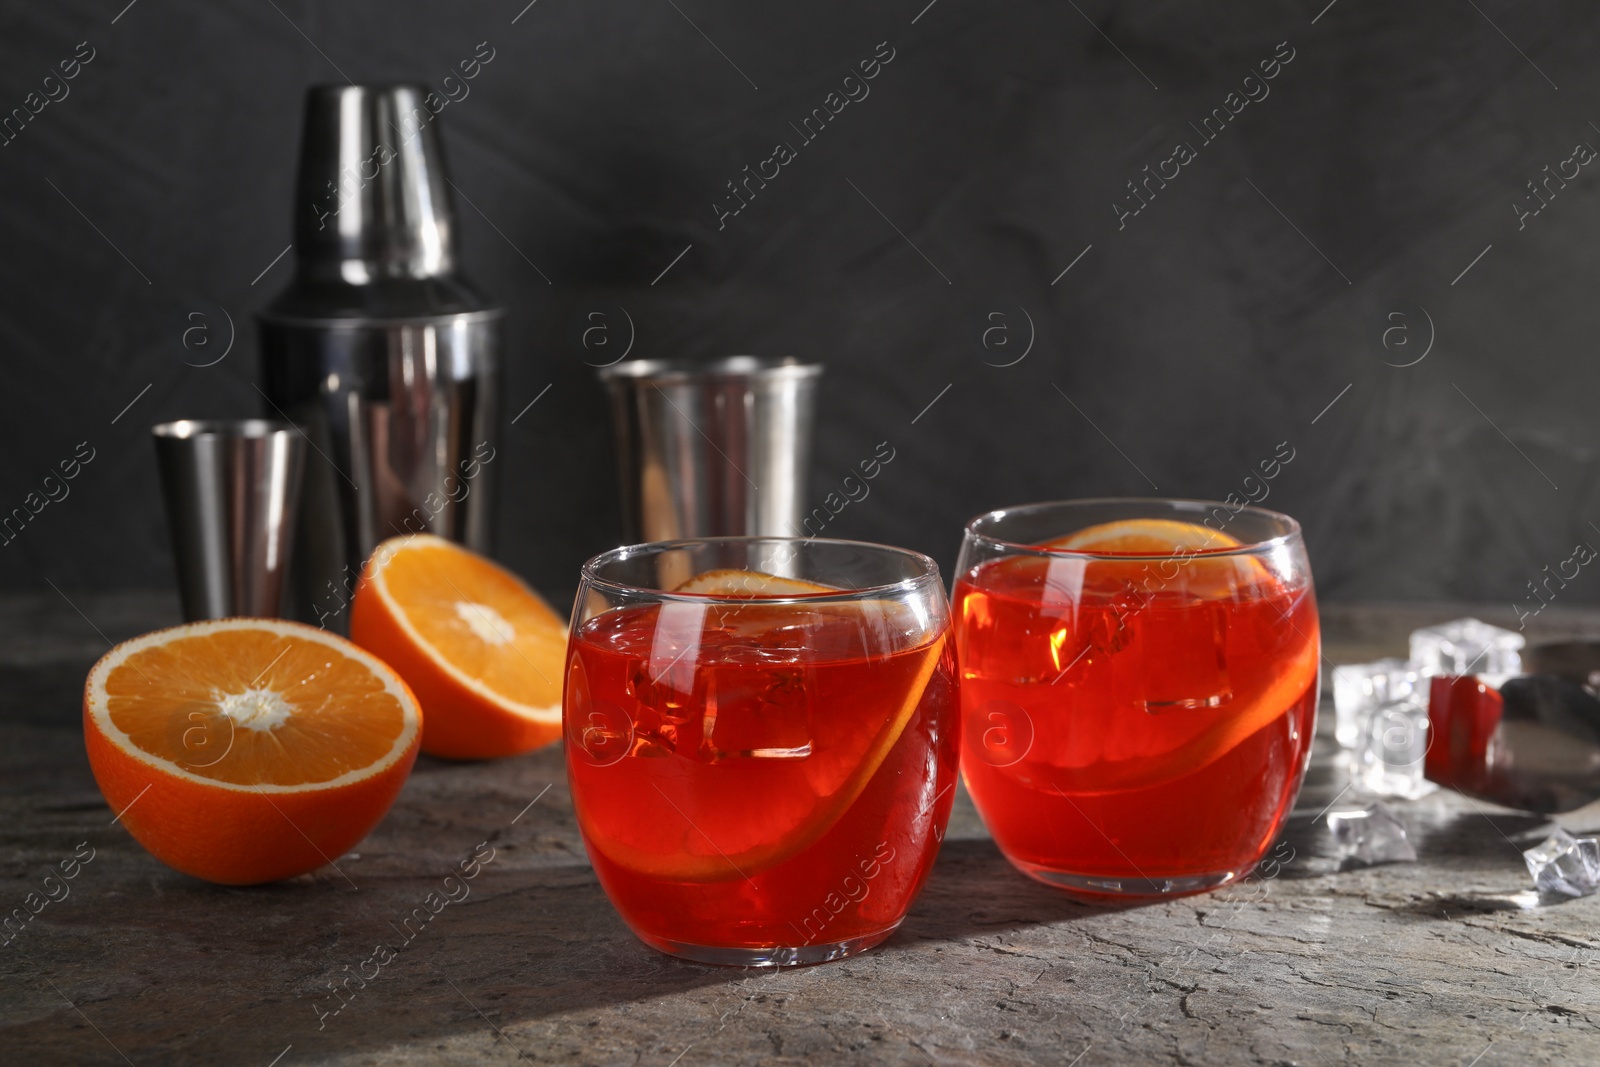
x=929 y=572
x=1291 y=534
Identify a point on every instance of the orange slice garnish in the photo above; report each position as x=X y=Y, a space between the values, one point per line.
x=736 y=583
x=482 y=651
x=758 y=813
x=1223 y=730
x=247 y=750
x=1145 y=537
x=1190 y=568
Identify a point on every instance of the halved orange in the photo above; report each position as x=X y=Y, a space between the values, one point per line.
x=247 y=750
x=482 y=651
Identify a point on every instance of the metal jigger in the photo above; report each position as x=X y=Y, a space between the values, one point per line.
x=713 y=449
x=232 y=489
x=379 y=349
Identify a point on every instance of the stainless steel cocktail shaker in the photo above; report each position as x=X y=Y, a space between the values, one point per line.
x=379 y=350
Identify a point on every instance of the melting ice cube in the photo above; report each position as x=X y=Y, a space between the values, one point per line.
x=1389 y=755
x=1371 y=835
x=1466 y=646
x=1359 y=689
x=1565 y=865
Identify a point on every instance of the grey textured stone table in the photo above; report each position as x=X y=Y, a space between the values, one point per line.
x=1448 y=960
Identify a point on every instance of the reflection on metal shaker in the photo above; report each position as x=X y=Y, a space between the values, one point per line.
x=379 y=350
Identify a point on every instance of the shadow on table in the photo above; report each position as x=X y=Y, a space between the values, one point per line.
x=1482 y=833
x=975 y=890
x=548 y=943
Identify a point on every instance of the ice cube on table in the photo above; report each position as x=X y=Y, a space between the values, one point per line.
x=1359 y=689
x=1565 y=865
x=1371 y=835
x=1389 y=754
x=1466 y=646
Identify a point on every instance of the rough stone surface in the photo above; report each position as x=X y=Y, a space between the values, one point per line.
x=1450 y=960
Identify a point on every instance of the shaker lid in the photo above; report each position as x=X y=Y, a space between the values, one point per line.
x=372 y=200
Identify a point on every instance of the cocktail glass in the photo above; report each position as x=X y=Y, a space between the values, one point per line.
x=1139 y=685
x=761 y=739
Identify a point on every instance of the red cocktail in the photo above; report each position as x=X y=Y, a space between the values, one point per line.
x=1138 y=697
x=761 y=766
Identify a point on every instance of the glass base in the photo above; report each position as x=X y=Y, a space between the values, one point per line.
x=769 y=956
x=1101 y=887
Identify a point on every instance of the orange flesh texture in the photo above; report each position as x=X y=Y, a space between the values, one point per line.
x=169 y=700
x=479 y=619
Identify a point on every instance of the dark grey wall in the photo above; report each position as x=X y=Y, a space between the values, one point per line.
x=1179 y=350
